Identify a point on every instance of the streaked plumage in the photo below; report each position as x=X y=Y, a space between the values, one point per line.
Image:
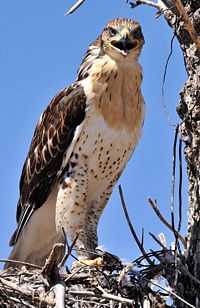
x=80 y=147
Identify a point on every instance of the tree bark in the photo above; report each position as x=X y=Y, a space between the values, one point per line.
x=189 y=111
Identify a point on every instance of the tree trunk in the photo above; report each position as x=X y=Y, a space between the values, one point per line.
x=189 y=111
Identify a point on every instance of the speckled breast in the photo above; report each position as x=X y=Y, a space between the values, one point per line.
x=101 y=153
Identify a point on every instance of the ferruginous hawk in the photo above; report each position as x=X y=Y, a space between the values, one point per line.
x=81 y=145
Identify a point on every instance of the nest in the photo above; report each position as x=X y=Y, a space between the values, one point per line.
x=106 y=284
x=109 y=285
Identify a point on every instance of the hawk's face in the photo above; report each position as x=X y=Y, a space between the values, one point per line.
x=122 y=38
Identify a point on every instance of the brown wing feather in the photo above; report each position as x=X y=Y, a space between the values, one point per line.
x=53 y=134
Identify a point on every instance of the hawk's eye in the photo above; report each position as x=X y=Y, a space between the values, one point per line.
x=137 y=32
x=112 y=31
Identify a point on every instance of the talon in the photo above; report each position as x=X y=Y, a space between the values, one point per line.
x=98 y=261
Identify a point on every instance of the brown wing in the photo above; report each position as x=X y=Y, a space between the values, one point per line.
x=53 y=134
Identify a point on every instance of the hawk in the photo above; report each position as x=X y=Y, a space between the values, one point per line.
x=81 y=145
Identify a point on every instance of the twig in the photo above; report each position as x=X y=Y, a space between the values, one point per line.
x=21 y=301
x=172 y=8
x=180 y=185
x=169 y=292
x=75 y=7
x=74 y=273
x=28 y=293
x=176 y=233
x=172 y=203
x=103 y=295
x=131 y=227
x=22 y=263
x=154 y=206
x=157 y=241
x=69 y=250
x=173 y=179
x=163 y=82
x=150 y=3
x=124 y=272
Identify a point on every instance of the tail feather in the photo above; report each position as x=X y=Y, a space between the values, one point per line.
x=38 y=236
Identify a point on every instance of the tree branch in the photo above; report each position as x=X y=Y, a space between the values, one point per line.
x=69 y=249
x=131 y=227
x=75 y=7
x=103 y=295
x=154 y=206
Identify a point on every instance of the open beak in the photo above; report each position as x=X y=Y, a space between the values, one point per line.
x=124 y=44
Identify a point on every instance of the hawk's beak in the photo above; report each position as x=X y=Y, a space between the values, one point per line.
x=125 y=43
x=125 y=38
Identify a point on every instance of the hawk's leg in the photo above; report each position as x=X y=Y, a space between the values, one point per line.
x=88 y=238
x=79 y=208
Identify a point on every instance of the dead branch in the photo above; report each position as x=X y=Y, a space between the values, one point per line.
x=75 y=7
x=150 y=3
x=154 y=206
x=22 y=263
x=103 y=295
x=69 y=249
x=163 y=82
x=159 y=242
x=131 y=227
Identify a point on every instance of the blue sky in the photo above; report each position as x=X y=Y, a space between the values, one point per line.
x=40 y=52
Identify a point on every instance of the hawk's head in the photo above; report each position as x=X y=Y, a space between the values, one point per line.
x=120 y=38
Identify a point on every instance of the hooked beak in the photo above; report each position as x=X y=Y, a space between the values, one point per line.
x=124 y=44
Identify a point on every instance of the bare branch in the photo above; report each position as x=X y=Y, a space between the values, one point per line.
x=75 y=7
x=163 y=82
x=131 y=227
x=154 y=206
x=103 y=295
x=150 y=3
x=64 y=259
x=157 y=241
x=22 y=263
